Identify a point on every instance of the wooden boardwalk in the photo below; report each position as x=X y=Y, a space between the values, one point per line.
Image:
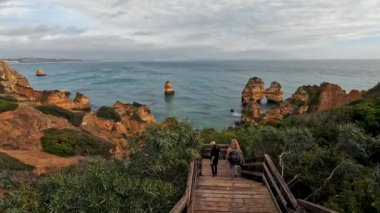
x=223 y=194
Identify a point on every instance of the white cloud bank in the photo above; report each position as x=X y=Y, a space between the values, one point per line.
x=190 y=29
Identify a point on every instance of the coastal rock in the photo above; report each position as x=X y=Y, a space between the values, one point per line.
x=355 y=95
x=135 y=117
x=278 y=113
x=331 y=96
x=40 y=72
x=10 y=80
x=22 y=128
x=62 y=99
x=109 y=130
x=253 y=91
x=251 y=112
x=82 y=102
x=275 y=93
x=301 y=95
x=169 y=89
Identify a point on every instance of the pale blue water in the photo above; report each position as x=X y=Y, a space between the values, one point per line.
x=205 y=90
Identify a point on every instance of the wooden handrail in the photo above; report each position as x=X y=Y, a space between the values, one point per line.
x=185 y=203
x=313 y=208
x=263 y=168
x=206 y=150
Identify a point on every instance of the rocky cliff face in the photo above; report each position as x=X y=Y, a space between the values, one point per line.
x=305 y=100
x=278 y=113
x=331 y=96
x=275 y=93
x=11 y=80
x=22 y=129
x=253 y=91
x=251 y=112
x=14 y=84
x=62 y=99
x=134 y=119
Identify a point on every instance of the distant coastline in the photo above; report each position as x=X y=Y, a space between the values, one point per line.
x=42 y=60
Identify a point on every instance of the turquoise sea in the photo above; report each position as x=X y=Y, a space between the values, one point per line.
x=205 y=90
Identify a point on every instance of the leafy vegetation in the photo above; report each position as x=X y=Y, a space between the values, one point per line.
x=68 y=142
x=7 y=104
x=9 y=163
x=108 y=113
x=73 y=117
x=152 y=180
x=314 y=93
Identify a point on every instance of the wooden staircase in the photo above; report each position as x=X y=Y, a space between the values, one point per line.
x=261 y=189
x=224 y=194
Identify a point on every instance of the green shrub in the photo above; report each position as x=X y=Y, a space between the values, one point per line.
x=165 y=149
x=374 y=92
x=108 y=113
x=314 y=93
x=153 y=180
x=9 y=163
x=73 y=117
x=68 y=142
x=7 y=104
x=8 y=99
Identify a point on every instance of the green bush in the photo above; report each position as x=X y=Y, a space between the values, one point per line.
x=68 y=142
x=165 y=149
x=314 y=93
x=73 y=117
x=7 y=104
x=153 y=180
x=108 y=113
x=9 y=163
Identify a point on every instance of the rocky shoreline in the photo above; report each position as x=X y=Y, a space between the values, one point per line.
x=23 y=127
x=306 y=99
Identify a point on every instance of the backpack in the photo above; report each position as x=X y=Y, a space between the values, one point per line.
x=234 y=156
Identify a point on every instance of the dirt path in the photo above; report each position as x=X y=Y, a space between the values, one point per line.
x=43 y=162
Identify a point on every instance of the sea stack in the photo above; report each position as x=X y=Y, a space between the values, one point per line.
x=253 y=91
x=169 y=89
x=275 y=93
x=40 y=72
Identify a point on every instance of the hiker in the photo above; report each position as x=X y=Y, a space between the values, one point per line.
x=234 y=157
x=215 y=151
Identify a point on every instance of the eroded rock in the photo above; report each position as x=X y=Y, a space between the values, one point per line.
x=169 y=89
x=275 y=93
x=253 y=91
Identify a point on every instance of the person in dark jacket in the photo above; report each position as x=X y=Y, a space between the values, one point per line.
x=215 y=151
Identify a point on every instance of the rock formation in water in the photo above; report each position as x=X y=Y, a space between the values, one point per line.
x=40 y=72
x=275 y=93
x=277 y=113
x=253 y=91
x=305 y=100
x=169 y=89
x=15 y=85
x=251 y=112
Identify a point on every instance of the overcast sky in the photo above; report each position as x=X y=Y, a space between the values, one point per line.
x=190 y=29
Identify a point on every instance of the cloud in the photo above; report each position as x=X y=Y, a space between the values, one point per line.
x=226 y=27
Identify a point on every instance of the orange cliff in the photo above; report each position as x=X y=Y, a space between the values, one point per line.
x=306 y=99
x=22 y=129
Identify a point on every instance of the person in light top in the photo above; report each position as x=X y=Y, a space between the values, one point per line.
x=234 y=157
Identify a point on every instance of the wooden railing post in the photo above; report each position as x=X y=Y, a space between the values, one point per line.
x=279 y=190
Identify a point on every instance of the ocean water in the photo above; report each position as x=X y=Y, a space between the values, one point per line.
x=205 y=91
